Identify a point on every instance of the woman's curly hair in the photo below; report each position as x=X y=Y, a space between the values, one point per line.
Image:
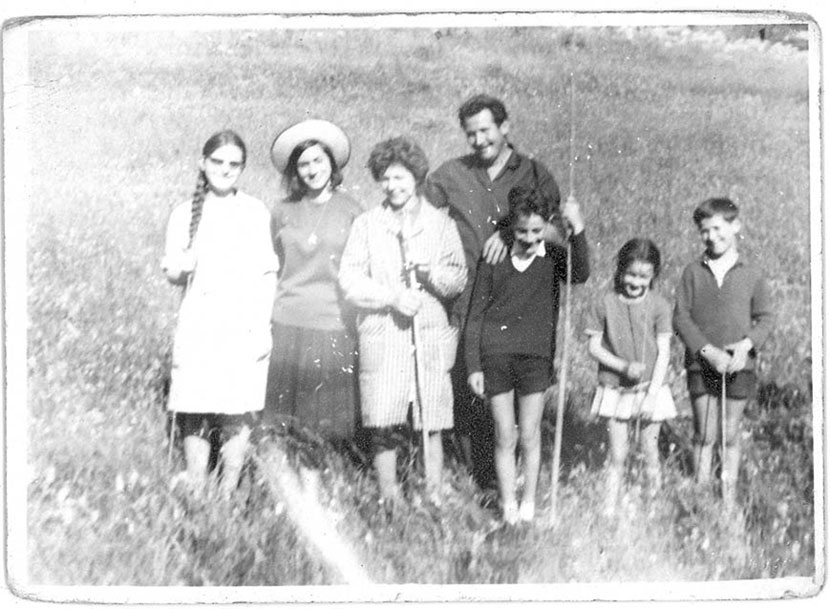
x=401 y=151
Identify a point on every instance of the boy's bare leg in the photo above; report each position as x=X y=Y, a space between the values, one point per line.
x=705 y=409
x=530 y=433
x=504 y=420
x=732 y=458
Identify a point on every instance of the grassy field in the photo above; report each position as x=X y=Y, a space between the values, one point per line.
x=116 y=123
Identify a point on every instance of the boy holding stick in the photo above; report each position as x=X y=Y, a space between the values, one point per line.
x=723 y=314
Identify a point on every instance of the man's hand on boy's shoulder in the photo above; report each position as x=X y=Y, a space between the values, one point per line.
x=495 y=248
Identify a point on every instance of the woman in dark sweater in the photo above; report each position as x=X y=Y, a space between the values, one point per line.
x=312 y=380
x=510 y=334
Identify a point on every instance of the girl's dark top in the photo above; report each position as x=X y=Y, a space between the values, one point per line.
x=513 y=312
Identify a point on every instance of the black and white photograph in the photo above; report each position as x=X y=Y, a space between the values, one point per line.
x=446 y=304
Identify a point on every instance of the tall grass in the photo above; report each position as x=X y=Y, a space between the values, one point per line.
x=117 y=120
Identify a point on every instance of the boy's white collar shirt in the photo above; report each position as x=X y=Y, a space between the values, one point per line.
x=720 y=266
x=521 y=264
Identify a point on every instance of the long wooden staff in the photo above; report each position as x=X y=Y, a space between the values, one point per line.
x=173 y=421
x=417 y=350
x=563 y=366
x=723 y=424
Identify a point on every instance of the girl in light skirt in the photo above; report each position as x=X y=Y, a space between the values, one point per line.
x=629 y=330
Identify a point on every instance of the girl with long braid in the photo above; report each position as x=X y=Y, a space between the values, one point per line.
x=219 y=248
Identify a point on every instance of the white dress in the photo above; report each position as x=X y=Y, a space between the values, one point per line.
x=223 y=337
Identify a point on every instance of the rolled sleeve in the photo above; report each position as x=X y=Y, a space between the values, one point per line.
x=436 y=191
x=449 y=275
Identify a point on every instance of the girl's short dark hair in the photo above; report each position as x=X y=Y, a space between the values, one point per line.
x=480 y=102
x=402 y=151
x=716 y=206
x=291 y=180
x=636 y=250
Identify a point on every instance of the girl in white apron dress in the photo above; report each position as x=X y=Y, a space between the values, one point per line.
x=219 y=248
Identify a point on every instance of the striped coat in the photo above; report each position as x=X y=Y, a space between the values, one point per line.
x=371 y=273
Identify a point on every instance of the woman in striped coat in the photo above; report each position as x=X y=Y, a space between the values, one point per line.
x=387 y=246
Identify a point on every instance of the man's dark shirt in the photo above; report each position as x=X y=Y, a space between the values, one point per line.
x=477 y=204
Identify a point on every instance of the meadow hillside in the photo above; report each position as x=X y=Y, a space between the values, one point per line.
x=117 y=120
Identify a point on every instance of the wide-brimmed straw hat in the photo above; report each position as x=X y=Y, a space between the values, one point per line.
x=312 y=129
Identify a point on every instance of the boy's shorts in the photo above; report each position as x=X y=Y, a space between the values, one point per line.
x=525 y=374
x=739 y=385
x=204 y=424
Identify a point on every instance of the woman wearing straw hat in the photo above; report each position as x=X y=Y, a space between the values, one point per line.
x=312 y=377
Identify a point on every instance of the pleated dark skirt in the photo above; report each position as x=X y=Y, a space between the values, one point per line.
x=312 y=382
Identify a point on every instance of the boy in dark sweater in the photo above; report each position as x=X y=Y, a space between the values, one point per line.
x=723 y=315
x=510 y=334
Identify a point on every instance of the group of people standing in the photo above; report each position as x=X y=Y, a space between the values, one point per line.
x=436 y=309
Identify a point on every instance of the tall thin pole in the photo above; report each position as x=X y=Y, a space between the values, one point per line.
x=173 y=420
x=571 y=159
x=417 y=351
x=563 y=366
x=723 y=425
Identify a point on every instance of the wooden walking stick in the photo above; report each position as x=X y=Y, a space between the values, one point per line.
x=185 y=289
x=722 y=424
x=417 y=353
x=563 y=365
x=701 y=440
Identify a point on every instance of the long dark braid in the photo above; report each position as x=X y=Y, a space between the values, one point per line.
x=197 y=204
x=216 y=141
